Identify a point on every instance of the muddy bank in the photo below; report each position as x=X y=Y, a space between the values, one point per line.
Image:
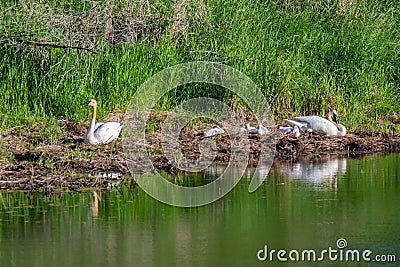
x=28 y=163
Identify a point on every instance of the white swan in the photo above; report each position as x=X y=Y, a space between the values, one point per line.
x=260 y=129
x=318 y=124
x=247 y=128
x=294 y=131
x=286 y=129
x=101 y=132
x=214 y=131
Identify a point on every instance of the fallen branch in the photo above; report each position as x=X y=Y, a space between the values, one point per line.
x=54 y=45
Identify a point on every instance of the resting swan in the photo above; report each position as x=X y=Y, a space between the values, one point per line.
x=260 y=130
x=318 y=124
x=247 y=128
x=294 y=131
x=100 y=132
x=214 y=131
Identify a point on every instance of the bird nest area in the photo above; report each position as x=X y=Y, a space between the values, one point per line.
x=28 y=163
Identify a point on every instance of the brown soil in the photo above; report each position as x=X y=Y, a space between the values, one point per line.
x=69 y=164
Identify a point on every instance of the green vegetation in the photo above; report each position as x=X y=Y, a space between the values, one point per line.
x=306 y=56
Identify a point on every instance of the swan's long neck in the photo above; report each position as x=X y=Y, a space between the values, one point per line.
x=329 y=117
x=90 y=133
x=93 y=122
x=341 y=129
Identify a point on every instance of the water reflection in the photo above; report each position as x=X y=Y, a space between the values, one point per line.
x=133 y=229
x=259 y=173
x=95 y=204
x=317 y=173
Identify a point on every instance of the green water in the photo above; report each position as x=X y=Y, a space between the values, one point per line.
x=300 y=206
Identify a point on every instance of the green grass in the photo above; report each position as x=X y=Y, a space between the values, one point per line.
x=306 y=56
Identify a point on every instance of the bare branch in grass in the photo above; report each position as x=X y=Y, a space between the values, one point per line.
x=54 y=45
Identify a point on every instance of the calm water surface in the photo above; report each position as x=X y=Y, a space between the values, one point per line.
x=299 y=207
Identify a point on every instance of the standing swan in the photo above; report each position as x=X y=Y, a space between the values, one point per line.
x=100 y=132
x=318 y=124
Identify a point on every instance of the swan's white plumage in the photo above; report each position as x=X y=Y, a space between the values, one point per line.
x=106 y=132
x=294 y=131
x=247 y=128
x=261 y=130
x=318 y=124
x=101 y=132
x=286 y=129
x=213 y=131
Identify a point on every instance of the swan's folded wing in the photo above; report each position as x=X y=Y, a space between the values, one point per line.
x=316 y=124
x=97 y=125
x=303 y=125
x=108 y=132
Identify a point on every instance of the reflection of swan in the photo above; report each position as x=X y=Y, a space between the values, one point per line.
x=318 y=124
x=260 y=173
x=214 y=131
x=95 y=204
x=314 y=172
x=101 y=132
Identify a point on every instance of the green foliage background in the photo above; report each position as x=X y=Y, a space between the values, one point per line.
x=306 y=56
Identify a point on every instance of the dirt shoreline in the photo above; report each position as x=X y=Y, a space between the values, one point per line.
x=70 y=164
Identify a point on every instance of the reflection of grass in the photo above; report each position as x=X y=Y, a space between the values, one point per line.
x=192 y=180
x=306 y=57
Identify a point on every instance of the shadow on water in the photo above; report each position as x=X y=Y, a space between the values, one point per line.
x=300 y=206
